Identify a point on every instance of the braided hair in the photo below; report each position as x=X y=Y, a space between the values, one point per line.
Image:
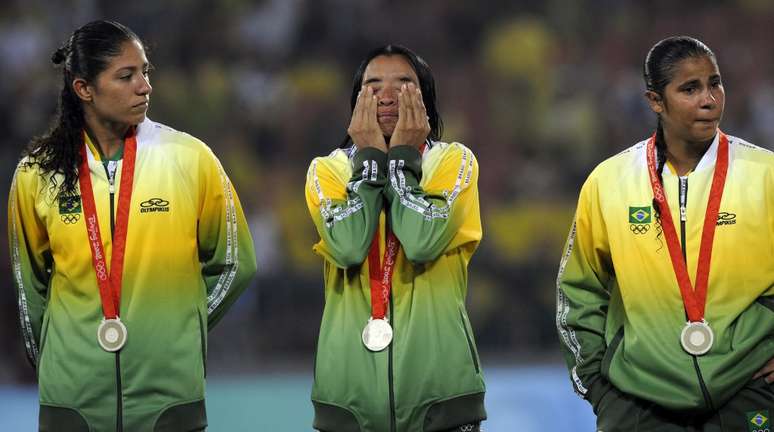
x=658 y=71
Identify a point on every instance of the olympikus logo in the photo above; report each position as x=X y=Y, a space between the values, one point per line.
x=725 y=218
x=154 y=205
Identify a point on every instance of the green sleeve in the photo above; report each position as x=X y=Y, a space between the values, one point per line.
x=346 y=212
x=226 y=250
x=30 y=257
x=583 y=297
x=426 y=214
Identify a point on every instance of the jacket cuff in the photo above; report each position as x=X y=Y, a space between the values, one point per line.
x=372 y=158
x=411 y=157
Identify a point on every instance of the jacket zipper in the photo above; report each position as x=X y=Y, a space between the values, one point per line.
x=389 y=371
x=110 y=169
x=683 y=219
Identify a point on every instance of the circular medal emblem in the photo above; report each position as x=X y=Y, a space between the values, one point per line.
x=697 y=338
x=111 y=335
x=377 y=334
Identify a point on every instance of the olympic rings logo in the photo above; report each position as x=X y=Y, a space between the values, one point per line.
x=101 y=272
x=154 y=202
x=639 y=228
x=70 y=219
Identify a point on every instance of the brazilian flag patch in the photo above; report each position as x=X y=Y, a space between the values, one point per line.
x=758 y=421
x=69 y=204
x=639 y=215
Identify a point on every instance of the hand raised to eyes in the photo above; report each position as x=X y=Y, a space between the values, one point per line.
x=363 y=127
x=413 y=125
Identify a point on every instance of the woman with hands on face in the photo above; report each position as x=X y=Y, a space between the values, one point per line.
x=398 y=217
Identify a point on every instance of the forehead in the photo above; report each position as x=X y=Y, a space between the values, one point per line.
x=132 y=55
x=389 y=66
x=693 y=68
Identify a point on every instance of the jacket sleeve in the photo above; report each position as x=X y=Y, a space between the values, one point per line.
x=582 y=296
x=30 y=257
x=439 y=212
x=226 y=249
x=345 y=210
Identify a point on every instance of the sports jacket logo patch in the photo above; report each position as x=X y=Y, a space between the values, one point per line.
x=726 y=218
x=70 y=209
x=639 y=219
x=154 y=205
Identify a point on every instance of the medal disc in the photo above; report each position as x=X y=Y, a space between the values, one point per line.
x=111 y=335
x=377 y=334
x=697 y=338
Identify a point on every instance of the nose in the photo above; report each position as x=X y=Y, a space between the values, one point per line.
x=387 y=96
x=709 y=101
x=145 y=87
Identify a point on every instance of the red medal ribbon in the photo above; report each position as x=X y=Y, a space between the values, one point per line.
x=694 y=300
x=109 y=283
x=381 y=276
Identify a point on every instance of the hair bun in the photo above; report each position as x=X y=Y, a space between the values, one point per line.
x=59 y=56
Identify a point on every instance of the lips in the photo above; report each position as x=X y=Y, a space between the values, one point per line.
x=141 y=105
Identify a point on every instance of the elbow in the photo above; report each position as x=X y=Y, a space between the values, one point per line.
x=352 y=257
x=420 y=254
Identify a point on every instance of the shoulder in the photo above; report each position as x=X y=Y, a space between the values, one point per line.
x=153 y=134
x=440 y=149
x=631 y=161
x=745 y=151
x=454 y=155
x=337 y=163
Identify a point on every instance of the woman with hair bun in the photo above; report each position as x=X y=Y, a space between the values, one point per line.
x=128 y=243
x=665 y=292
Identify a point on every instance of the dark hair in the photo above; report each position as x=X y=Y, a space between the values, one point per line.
x=659 y=70
x=426 y=85
x=84 y=55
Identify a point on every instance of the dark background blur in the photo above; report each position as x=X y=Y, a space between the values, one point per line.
x=541 y=91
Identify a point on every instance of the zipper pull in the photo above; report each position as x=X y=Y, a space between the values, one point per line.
x=112 y=167
x=683 y=198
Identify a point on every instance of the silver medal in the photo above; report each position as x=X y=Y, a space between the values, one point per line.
x=377 y=334
x=697 y=338
x=111 y=334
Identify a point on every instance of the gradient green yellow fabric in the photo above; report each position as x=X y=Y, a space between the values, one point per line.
x=430 y=201
x=189 y=255
x=619 y=308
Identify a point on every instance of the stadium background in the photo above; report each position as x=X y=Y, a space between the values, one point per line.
x=541 y=91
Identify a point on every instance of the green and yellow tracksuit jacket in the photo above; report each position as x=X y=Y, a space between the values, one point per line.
x=429 y=378
x=188 y=257
x=619 y=308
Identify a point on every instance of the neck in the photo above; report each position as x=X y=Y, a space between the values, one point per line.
x=684 y=155
x=107 y=136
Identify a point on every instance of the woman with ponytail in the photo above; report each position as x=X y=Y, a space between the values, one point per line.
x=128 y=243
x=665 y=292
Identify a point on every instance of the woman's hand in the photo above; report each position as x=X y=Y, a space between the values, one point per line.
x=766 y=371
x=412 y=127
x=364 y=128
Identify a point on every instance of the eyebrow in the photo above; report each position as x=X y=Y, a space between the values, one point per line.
x=132 y=67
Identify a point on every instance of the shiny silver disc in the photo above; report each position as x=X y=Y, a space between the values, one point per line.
x=377 y=334
x=697 y=338
x=111 y=335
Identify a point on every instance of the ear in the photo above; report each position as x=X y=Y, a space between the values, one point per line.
x=655 y=101
x=83 y=90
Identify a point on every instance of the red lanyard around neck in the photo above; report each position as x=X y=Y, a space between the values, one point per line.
x=694 y=300
x=109 y=282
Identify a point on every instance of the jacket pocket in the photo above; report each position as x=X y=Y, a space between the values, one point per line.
x=471 y=346
x=59 y=419
x=332 y=418
x=610 y=352
x=188 y=416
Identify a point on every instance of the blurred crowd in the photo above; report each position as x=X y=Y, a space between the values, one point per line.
x=541 y=91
